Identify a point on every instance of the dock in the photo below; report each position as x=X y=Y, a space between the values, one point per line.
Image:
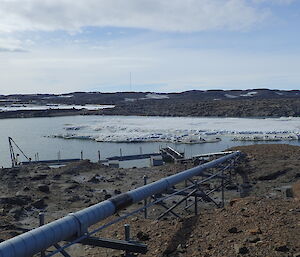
x=51 y=162
x=171 y=155
x=133 y=157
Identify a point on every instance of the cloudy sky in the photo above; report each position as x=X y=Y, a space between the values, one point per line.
x=57 y=46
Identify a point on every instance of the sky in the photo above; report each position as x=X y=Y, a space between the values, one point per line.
x=60 y=46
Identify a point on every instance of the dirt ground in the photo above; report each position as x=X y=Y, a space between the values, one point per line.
x=266 y=223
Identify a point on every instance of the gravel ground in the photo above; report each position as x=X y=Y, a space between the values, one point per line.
x=266 y=223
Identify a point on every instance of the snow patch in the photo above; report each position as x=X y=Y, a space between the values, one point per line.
x=130 y=99
x=156 y=96
x=31 y=107
x=66 y=96
x=249 y=94
x=231 y=96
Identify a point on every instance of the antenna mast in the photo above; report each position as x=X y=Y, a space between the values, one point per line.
x=130 y=84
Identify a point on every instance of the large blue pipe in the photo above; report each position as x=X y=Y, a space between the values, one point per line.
x=75 y=224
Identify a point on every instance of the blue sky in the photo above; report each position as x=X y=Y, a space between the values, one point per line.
x=58 y=46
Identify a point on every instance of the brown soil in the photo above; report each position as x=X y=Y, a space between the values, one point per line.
x=267 y=223
x=260 y=225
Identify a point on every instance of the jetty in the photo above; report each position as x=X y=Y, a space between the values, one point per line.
x=171 y=155
x=51 y=162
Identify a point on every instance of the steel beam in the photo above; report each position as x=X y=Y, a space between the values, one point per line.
x=116 y=244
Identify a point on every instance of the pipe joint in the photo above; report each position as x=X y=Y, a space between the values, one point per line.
x=82 y=227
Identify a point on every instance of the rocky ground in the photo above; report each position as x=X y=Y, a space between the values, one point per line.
x=266 y=223
x=208 y=108
x=285 y=107
x=196 y=103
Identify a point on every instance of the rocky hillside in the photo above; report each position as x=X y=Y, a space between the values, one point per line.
x=223 y=103
x=118 y=97
x=220 y=108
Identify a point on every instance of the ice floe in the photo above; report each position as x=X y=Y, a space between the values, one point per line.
x=186 y=130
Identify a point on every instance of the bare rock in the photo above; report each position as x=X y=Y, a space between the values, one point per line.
x=180 y=249
x=240 y=249
x=38 y=177
x=15 y=200
x=43 y=188
x=142 y=236
x=39 y=204
x=255 y=231
x=94 y=180
x=252 y=239
x=107 y=196
x=231 y=187
x=73 y=186
x=74 y=198
x=233 y=230
x=117 y=191
x=282 y=248
x=16 y=212
x=56 y=176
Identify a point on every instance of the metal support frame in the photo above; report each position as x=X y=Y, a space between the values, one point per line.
x=145 y=200
x=75 y=225
x=127 y=245
x=166 y=207
x=158 y=199
x=198 y=193
x=176 y=204
x=130 y=246
x=41 y=223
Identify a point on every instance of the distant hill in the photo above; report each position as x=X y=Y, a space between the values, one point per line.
x=225 y=103
x=114 y=98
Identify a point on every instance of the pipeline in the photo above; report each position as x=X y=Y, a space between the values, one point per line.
x=76 y=224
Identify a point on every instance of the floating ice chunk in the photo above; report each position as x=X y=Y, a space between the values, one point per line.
x=70 y=127
x=267 y=137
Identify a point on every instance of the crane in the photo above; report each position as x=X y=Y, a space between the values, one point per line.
x=13 y=156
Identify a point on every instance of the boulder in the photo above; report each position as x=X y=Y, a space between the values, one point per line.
x=282 y=247
x=16 y=212
x=233 y=230
x=142 y=236
x=240 y=249
x=43 y=188
x=39 y=204
x=38 y=177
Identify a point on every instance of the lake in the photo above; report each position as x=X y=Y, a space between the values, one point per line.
x=45 y=135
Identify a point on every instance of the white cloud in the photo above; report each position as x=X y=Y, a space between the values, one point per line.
x=274 y=1
x=11 y=45
x=161 y=15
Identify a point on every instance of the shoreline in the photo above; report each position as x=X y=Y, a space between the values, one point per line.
x=106 y=112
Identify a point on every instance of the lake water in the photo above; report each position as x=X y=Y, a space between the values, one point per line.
x=33 y=135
